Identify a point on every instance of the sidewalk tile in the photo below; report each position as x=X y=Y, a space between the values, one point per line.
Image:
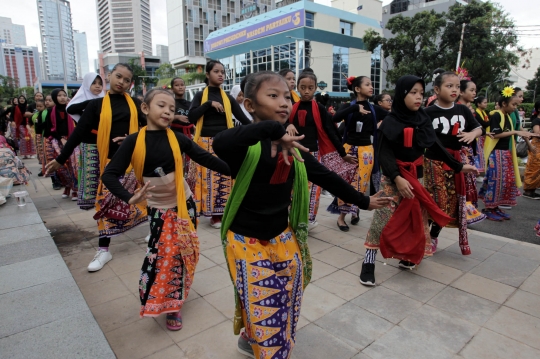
x=337 y=257
x=215 y=254
x=477 y=252
x=103 y=291
x=525 y=302
x=489 y=345
x=26 y=250
x=316 y=245
x=401 y=343
x=314 y=342
x=117 y=313
x=15 y=235
x=414 y=286
x=302 y=322
x=131 y=280
x=321 y=269
x=516 y=325
x=211 y=280
x=444 y=243
x=464 y=305
x=170 y=352
x=476 y=240
x=17 y=221
x=223 y=300
x=532 y=284
x=204 y=263
x=437 y=272
x=127 y=263
x=343 y=284
x=387 y=304
x=521 y=251
x=332 y=236
x=442 y=329
x=506 y=269
x=382 y=272
x=121 y=249
x=139 y=339
x=317 y=302
x=217 y=342
x=356 y=246
x=458 y=261
x=80 y=259
x=354 y=326
x=483 y=287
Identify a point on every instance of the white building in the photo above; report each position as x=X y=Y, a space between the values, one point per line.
x=56 y=52
x=124 y=26
x=81 y=53
x=524 y=74
x=11 y=33
x=20 y=63
x=162 y=51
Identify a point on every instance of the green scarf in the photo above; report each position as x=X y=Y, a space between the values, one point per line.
x=298 y=215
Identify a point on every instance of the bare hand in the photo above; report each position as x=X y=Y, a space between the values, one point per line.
x=376 y=201
x=119 y=139
x=291 y=130
x=490 y=135
x=217 y=106
x=141 y=194
x=63 y=140
x=288 y=145
x=404 y=187
x=362 y=111
x=52 y=167
x=470 y=169
x=466 y=137
x=526 y=134
x=350 y=159
x=181 y=118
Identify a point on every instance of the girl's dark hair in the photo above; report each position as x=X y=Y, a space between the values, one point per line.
x=463 y=84
x=40 y=101
x=210 y=66
x=176 y=78
x=39 y=93
x=537 y=106
x=243 y=84
x=153 y=92
x=380 y=97
x=505 y=100
x=284 y=72
x=438 y=71
x=439 y=79
x=97 y=78
x=477 y=101
x=124 y=65
x=322 y=99
x=357 y=82
x=255 y=80
x=307 y=73
x=517 y=89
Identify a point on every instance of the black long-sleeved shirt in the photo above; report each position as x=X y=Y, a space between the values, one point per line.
x=263 y=213
x=310 y=128
x=214 y=122
x=390 y=151
x=86 y=130
x=62 y=129
x=495 y=127
x=182 y=109
x=78 y=108
x=158 y=154
x=362 y=138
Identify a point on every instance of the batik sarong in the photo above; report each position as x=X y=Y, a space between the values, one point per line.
x=479 y=160
x=88 y=176
x=531 y=178
x=210 y=189
x=383 y=215
x=26 y=142
x=499 y=186
x=268 y=277
x=39 y=150
x=67 y=174
x=169 y=266
x=314 y=195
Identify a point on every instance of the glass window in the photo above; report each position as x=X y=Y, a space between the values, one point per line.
x=398 y=6
x=346 y=28
x=340 y=69
x=376 y=69
x=285 y=56
x=310 y=19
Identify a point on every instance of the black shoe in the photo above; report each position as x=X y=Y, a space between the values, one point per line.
x=344 y=228
x=531 y=195
x=355 y=220
x=406 y=264
x=40 y=174
x=56 y=186
x=367 y=276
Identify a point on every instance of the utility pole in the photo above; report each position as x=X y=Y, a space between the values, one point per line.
x=460 y=45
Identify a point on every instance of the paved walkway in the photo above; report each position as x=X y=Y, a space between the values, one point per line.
x=486 y=305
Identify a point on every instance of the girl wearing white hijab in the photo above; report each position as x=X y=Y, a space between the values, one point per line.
x=91 y=88
x=238 y=95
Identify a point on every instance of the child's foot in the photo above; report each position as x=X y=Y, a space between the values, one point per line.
x=355 y=218
x=406 y=265
x=499 y=212
x=492 y=216
x=434 y=242
x=342 y=225
x=66 y=193
x=174 y=321
x=100 y=259
x=74 y=196
x=367 y=276
x=312 y=225
x=243 y=345
x=215 y=222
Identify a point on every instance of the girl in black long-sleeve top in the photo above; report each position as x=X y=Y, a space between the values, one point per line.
x=211 y=111
x=311 y=119
x=361 y=119
x=267 y=257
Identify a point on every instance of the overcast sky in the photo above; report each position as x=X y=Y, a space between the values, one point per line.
x=24 y=12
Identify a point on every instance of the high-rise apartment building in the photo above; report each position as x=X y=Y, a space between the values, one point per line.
x=81 y=53
x=57 y=40
x=124 y=26
x=20 y=63
x=162 y=51
x=190 y=21
x=11 y=33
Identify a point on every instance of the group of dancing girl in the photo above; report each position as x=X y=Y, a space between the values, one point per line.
x=255 y=161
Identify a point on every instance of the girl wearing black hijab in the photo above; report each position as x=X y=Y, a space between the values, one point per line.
x=22 y=127
x=57 y=127
x=401 y=230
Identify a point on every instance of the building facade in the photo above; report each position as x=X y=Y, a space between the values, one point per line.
x=303 y=34
x=81 y=53
x=11 y=33
x=57 y=43
x=124 y=26
x=162 y=51
x=20 y=63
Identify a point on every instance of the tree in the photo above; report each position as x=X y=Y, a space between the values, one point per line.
x=139 y=74
x=533 y=86
x=8 y=87
x=165 y=71
x=415 y=48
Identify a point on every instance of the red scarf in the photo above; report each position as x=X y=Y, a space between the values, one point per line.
x=404 y=237
x=18 y=115
x=186 y=129
x=325 y=145
x=70 y=123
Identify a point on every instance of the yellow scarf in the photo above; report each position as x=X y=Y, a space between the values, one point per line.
x=226 y=107
x=490 y=143
x=104 y=129
x=295 y=96
x=137 y=160
x=482 y=115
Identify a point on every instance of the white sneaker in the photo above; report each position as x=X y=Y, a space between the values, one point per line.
x=505 y=207
x=326 y=194
x=312 y=225
x=147 y=239
x=100 y=259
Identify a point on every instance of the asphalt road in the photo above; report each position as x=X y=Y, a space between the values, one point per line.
x=520 y=227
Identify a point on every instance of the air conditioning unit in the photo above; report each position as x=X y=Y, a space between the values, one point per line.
x=385 y=11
